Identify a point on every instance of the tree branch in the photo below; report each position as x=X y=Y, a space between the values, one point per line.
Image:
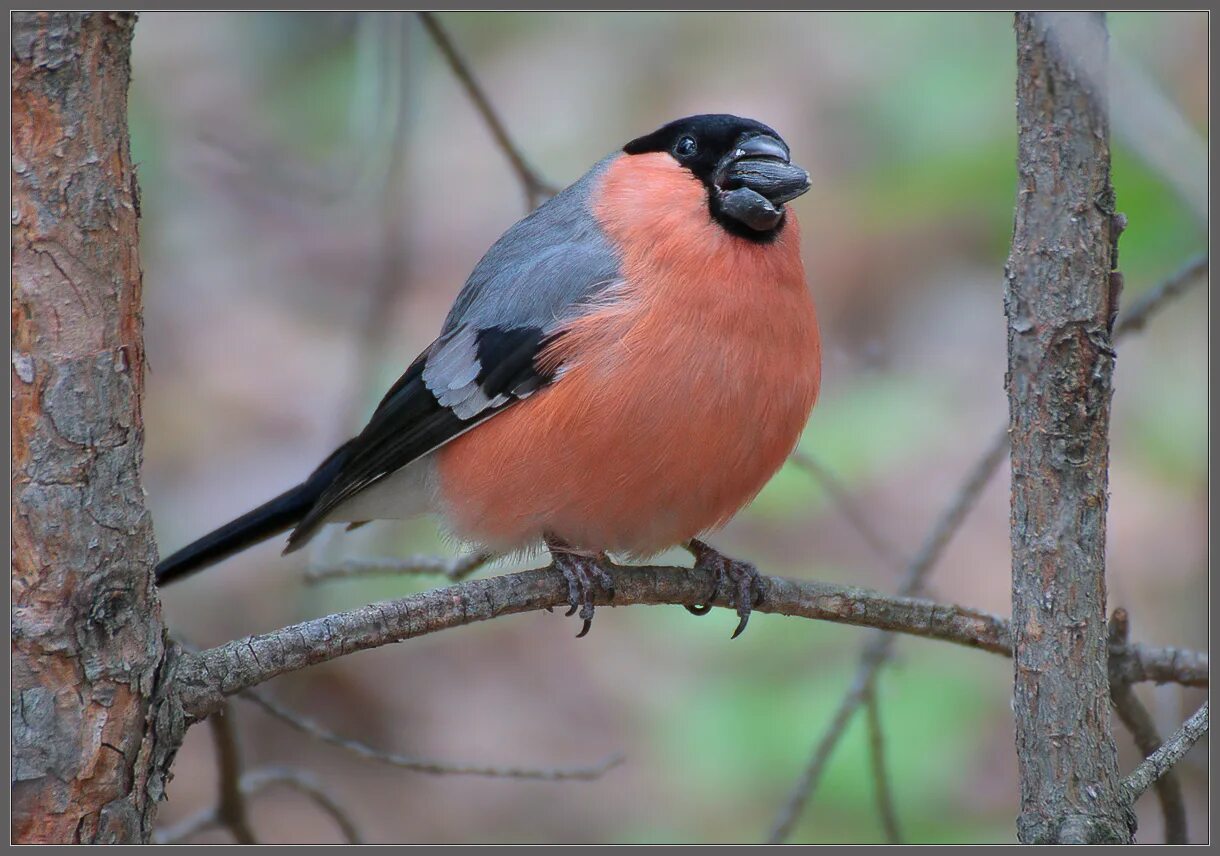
x=188 y=827
x=1171 y=752
x=1061 y=302
x=881 y=777
x=203 y=680
x=427 y=765
x=1164 y=666
x=536 y=188
x=303 y=782
x=254 y=783
x=1139 y=722
x=1176 y=284
x=453 y=569
x=878 y=649
x=231 y=806
x=823 y=475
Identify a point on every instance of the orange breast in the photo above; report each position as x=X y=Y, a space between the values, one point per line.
x=679 y=398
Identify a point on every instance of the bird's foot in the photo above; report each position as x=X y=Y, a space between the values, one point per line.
x=744 y=582
x=584 y=574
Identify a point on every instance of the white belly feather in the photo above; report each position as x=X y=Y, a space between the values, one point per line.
x=403 y=494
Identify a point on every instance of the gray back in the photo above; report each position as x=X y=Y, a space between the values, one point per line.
x=539 y=270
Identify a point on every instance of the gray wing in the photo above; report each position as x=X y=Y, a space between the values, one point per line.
x=542 y=272
x=542 y=267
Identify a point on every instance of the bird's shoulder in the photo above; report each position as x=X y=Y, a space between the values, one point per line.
x=549 y=261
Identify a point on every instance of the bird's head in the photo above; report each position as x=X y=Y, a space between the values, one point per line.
x=745 y=166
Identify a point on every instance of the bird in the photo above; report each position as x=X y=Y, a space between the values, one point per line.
x=623 y=371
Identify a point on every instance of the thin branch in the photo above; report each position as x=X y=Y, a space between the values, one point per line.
x=231 y=807
x=874 y=654
x=1171 y=752
x=852 y=512
x=947 y=525
x=1177 y=283
x=427 y=765
x=877 y=650
x=536 y=188
x=202 y=680
x=453 y=569
x=1155 y=666
x=1139 y=722
x=299 y=780
x=881 y=778
x=189 y=827
x=254 y=783
x=1163 y=666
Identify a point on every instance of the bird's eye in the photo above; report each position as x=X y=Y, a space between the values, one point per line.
x=685 y=147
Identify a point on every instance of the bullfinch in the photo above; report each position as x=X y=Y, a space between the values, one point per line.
x=623 y=371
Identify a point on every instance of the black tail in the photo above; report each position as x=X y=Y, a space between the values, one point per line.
x=266 y=521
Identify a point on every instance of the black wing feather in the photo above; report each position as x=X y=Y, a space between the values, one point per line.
x=410 y=422
x=270 y=518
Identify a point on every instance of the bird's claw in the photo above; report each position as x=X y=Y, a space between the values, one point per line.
x=745 y=589
x=583 y=574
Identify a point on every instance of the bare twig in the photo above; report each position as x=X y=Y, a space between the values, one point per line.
x=881 y=778
x=303 y=782
x=254 y=783
x=202 y=680
x=188 y=827
x=1139 y=722
x=1163 y=666
x=877 y=650
x=231 y=806
x=1177 y=283
x=951 y=519
x=882 y=546
x=536 y=189
x=1155 y=667
x=454 y=569
x=1171 y=752
x=428 y=765
x=1143 y=730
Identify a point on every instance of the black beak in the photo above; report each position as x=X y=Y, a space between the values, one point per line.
x=756 y=178
x=763 y=165
x=761 y=147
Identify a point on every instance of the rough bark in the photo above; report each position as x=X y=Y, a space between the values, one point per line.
x=1061 y=301
x=86 y=627
x=204 y=679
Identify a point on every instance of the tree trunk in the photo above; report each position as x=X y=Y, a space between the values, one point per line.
x=87 y=640
x=1060 y=302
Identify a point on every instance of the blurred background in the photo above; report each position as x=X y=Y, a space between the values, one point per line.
x=316 y=188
